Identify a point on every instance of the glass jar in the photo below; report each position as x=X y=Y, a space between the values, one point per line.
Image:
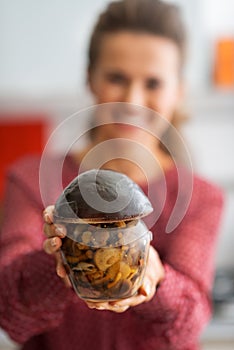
x=105 y=261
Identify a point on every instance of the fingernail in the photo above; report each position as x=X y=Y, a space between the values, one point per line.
x=60 y=271
x=146 y=289
x=47 y=218
x=114 y=305
x=53 y=242
x=60 y=231
x=100 y=307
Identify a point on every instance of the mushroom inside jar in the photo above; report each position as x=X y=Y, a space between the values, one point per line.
x=106 y=261
x=107 y=244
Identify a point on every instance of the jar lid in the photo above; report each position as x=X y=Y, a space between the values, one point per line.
x=101 y=196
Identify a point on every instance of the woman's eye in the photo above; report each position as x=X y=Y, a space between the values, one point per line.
x=153 y=84
x=116 y=78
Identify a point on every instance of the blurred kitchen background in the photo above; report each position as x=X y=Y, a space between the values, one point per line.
x=42 y=81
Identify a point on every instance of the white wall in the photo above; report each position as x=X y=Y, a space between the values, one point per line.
x=209 y=135
x=217 y=17
x=43 y=43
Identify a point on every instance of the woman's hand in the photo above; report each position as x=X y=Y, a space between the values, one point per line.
x=53 y=242
x=154 y=274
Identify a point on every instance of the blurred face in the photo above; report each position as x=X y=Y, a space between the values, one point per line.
x=137 y=68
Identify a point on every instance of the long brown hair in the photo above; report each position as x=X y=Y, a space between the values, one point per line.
x=149 y=16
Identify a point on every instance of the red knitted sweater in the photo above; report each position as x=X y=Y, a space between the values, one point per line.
x=38 y=311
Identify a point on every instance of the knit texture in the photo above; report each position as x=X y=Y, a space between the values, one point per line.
x=40 y=312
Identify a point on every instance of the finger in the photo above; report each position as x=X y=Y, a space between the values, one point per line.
x=147 y=288
x=51 y=230
x=60 y=268
x=129 y=302
x=60 y=230
x=67 y=282
x=61 y=272
x=97 y=306
x=51 y=245
x=107 y=306
x=48 y=214
x=118 y=309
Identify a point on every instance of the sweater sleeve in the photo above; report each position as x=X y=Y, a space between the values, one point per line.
x=182 y=307
x=32 y=297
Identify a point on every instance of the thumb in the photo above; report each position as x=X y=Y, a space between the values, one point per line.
x=146 y=288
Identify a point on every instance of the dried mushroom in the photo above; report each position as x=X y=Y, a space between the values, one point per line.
x=106 y=252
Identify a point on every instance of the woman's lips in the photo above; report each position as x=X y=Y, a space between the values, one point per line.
x=127 y=127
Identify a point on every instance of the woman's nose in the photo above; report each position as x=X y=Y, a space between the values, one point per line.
x=135 y=94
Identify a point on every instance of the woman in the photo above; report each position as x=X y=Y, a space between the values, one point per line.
x=136 y=55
